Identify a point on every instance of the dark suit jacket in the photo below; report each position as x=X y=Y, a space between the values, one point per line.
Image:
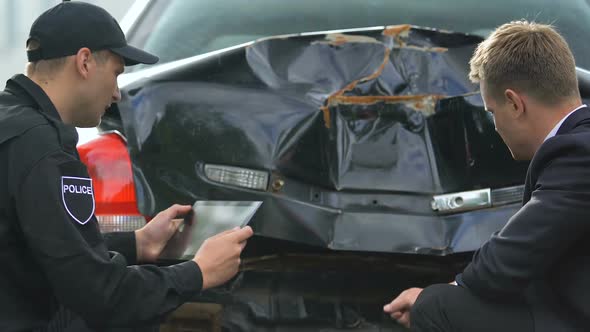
x=542 y=255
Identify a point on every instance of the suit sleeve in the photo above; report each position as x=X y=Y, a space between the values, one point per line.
x=75 y=259
x=534 y=239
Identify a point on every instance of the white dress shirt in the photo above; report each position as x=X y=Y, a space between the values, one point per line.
x=558 y=125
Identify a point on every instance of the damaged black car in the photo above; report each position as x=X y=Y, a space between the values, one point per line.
x=354 y=122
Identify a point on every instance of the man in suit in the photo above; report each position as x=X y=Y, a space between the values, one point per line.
x=533 y=274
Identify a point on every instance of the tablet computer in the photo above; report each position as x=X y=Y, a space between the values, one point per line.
x=208 y=218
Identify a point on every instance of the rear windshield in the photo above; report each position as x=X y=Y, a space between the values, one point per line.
x=177 y=29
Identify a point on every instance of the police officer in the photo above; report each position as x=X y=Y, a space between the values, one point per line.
x=57 y=271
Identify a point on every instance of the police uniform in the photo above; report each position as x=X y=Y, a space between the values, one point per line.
x=51 y=250
x=56 y=267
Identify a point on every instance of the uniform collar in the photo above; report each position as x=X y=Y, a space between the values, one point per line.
x=32 y=95
x=25 y=88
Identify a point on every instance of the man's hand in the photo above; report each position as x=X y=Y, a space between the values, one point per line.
x=152 y=238
x=399 y=308
x=219 y=256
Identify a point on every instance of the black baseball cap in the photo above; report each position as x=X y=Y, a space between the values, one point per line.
x=72 y=25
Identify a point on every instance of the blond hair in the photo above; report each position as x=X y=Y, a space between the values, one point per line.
x=526 y=56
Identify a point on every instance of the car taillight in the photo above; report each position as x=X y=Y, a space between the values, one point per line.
x=109 y=166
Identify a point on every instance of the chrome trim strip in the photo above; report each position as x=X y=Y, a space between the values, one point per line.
x=462 y=201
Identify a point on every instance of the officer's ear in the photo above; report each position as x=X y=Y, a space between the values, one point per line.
x=83 y=62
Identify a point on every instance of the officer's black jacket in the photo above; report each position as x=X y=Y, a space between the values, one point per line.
x=542 y=255
x=48 y=258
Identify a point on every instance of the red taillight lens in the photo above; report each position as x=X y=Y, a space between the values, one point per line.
x=109 y=166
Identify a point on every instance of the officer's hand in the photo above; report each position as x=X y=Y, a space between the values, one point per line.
x=219 y=256
x=152 y=238
x=399 y=308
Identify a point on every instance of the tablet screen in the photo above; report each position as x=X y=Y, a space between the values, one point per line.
x=209 y=218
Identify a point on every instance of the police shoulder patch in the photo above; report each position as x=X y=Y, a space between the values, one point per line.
x=78 y=198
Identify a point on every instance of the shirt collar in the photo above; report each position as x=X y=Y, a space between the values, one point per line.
x=558 y=125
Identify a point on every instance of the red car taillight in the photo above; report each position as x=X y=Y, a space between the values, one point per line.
x=109 y=166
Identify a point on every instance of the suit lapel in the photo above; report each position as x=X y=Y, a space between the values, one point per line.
x=573 y=120
x=526 y=195
x=580 y=116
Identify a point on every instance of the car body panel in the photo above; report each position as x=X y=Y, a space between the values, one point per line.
x=360 y=128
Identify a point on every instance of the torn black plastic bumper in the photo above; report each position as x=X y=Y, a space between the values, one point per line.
x=357 y=131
